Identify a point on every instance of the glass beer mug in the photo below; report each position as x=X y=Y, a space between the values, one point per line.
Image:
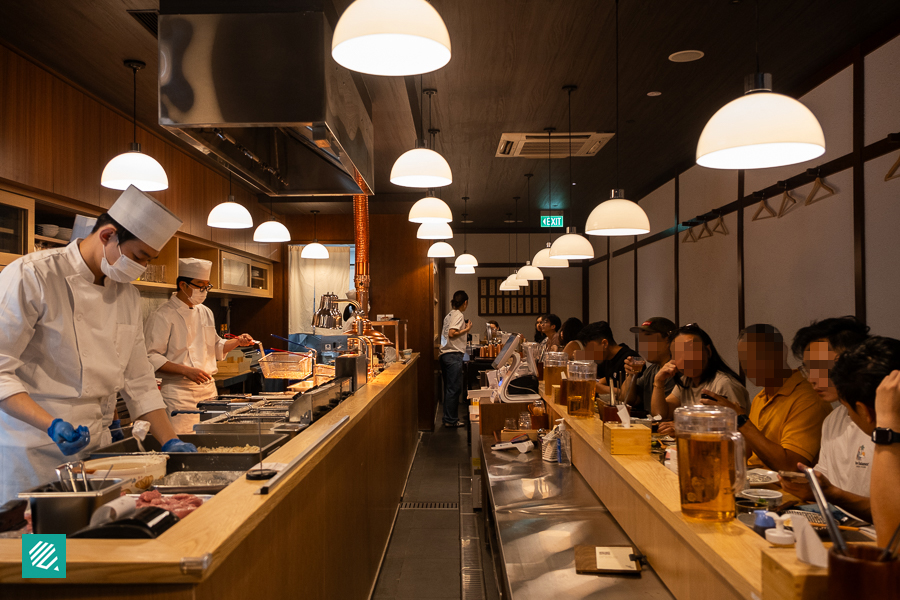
x=711 y=462
x=554 y=367
x=580 y=387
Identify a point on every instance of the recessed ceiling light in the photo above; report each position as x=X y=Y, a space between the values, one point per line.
x=686 y=56
x=654 y=94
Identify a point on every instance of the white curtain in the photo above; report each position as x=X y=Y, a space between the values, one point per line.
x=309 y=279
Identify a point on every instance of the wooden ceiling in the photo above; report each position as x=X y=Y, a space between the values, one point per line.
x=511 y=59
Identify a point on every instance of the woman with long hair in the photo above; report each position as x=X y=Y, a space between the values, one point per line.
x=697 y=369
x=568 y=337
x=539 y=335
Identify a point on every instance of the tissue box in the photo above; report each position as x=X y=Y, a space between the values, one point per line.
x=621 y=440
x=235 y=363
x=506 y=434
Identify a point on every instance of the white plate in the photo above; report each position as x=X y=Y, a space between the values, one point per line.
x=760 y=477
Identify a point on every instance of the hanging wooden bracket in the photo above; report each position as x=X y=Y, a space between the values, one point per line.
x=787 y=201
x=688 y=236
x=705 y=231
x=763 y=208
x=720 y=227
x=818 y=186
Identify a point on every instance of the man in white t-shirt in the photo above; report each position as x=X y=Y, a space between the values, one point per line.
x=453 y=349
x=845 y=457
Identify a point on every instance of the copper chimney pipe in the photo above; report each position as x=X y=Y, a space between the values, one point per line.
x=361 y=227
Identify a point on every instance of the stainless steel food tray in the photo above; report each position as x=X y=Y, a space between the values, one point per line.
x=196 y=482
x=211 y=461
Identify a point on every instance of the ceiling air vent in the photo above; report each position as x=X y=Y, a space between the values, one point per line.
x=534 y=145
x=149 y=18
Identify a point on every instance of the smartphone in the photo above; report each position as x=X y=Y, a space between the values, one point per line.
x=793 y=476
x=707 y=397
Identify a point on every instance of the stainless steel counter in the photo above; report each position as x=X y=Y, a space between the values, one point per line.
x=541 y=511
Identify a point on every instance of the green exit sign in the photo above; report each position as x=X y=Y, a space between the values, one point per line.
x=551 y=221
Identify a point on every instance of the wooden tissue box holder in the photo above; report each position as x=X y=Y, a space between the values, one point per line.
x=507 y=434
x=631 y=440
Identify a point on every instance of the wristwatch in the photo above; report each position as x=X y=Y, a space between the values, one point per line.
x=742 y=420
x=885 y=437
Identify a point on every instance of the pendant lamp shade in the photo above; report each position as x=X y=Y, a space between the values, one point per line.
x=617 y=216
x=134 y=168
x=441 y=250
x=229 y=215
x=391 y=37
x=543 y=260
x=530 y=273
x=519 y=280
x=315 y=251
x=430 y=210
x=434 y=231
x=465 y=270
x=271 y=231
x=509 y=286
x=759 y=130
x=466 y=260
x=421 y=168
x=571 y=246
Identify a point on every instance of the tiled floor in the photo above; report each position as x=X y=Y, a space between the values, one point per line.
x=423 y=558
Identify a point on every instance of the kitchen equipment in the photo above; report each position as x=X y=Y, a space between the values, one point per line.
x=283 y=365
x=54 y=510
x=711 y=465
x=147 y=523
x=138 y=471
x=769 y=498
x=554 y=366
x=12 y=515
x=353 y=366
x=265 y=489
x=580 y=388
x=204 y=461
x=196 y=482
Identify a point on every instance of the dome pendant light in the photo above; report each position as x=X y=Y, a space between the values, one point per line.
x=422 y=167
x=272 y=231
x=465 y=259
x=761 y=129
x=616 y=216
x=465 y=270
x=543 y=260
x=391 y=37
x=430 y=210
x=434 y=231
x=134 y=167
x=315 y=250
x=230 y=214
x=529 y=272
x=441 y=250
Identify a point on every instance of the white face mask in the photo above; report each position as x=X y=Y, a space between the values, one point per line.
x=124 y=270
x=197 y=296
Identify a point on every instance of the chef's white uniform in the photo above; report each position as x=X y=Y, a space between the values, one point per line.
x=71 y=345
x=186 y=336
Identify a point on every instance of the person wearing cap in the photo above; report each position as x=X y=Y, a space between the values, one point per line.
x=71 y=339
x=183 y=346
x=653 y=344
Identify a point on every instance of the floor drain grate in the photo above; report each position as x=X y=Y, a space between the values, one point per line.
x=431 y=505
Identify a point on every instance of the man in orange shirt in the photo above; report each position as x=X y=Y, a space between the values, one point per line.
x=784 y=425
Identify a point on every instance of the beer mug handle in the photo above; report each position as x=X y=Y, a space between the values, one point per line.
x=740 y=463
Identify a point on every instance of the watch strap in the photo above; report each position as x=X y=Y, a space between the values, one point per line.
x=742 y=420
x=884 y=436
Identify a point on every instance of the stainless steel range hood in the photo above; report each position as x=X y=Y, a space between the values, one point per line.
x=261 y=93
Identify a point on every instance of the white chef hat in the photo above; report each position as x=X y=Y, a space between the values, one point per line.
x=82 y=227
x=195 y=268
x=145 y=217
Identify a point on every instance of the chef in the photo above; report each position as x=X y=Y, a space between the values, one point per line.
x=183 y=346
x=71 y=338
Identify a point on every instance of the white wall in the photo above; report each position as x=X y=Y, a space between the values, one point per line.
x=565 y=284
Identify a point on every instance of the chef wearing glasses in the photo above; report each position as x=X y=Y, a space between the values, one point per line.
x=183 y=346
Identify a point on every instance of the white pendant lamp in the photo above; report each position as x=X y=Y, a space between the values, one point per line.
x=617 y=216
x=543 y=260
x=465 y=259
x=530 y=273
x=271 y=232
x=391 y=37
x=572 y=246
x=519 y=280
x=465 y=270
x=430 y=210
x=134 y=167
x=508 y=286
x=315 y=250
x=759 y=130
x=230 y=214
x=422 y=167
x=434 y=231
x=441 y=250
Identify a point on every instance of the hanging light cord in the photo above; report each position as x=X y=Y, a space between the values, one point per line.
x=571 y=179
x=757 y=37
x=465 y=218
x=134 y=103
x=549 y=182
x=618 y=132
x=528 y=208
x=515 y=223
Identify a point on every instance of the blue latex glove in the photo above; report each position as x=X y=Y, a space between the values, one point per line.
x=115 y=428
x=176 y=445
x=69 y=439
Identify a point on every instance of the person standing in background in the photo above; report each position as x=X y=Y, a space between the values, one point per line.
x=453 y=349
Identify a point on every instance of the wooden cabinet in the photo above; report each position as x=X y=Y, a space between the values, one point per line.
x=162 y=272
x=244 y=276
x=261 y=279
x=16 y=227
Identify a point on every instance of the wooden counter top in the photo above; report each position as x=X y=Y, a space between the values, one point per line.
x=695 y=559
x=224 y=523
